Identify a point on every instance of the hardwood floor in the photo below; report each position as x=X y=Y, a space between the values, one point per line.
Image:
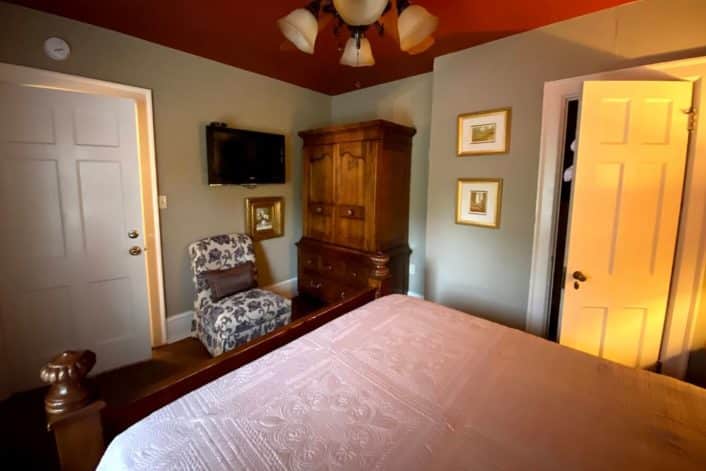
x=25 y=442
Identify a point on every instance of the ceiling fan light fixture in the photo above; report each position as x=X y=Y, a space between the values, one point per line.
x=355 y=56
x=422 y=46
x=360 y=12
x=300 y=27
x=415 y=24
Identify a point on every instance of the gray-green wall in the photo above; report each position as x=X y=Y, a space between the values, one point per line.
x=486 y=271
x=188 y=92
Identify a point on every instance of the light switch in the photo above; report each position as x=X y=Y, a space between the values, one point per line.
x=412 y=269
x=162 y=201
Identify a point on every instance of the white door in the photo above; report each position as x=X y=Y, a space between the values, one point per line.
x=626 y=202
x=70 y=196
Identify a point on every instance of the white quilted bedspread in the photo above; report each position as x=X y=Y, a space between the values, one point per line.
x=405 y=384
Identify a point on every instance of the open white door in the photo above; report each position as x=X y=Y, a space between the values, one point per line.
x=70 y=203
x=626 y=201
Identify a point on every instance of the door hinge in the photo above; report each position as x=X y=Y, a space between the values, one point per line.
x=691 y=120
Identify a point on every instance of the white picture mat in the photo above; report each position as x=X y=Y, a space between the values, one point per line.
x=498 y=118
x=487 y=219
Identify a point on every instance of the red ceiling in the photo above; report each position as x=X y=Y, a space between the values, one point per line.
x=244 y=33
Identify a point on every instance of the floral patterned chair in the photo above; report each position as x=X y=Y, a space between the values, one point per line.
x=235 y=320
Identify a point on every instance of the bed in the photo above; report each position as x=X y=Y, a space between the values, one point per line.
x=402 y=383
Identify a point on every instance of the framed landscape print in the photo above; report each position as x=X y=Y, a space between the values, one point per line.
x=478 y=201
x=264 y=217
x=485 y=132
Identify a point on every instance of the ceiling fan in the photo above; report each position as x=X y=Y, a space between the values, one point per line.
x=411 y=25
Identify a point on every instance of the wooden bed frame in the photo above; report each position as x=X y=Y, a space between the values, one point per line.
x=82 y=422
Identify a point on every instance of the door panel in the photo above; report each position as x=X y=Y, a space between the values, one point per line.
x=70 y=194
x=353 y=174
x=320 y=174
x=624 y=219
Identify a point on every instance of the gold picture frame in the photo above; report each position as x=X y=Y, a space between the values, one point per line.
x=264 y=217
x=479 y=201
x=484 y=132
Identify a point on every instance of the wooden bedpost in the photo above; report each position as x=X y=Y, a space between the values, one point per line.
x=73 y=413
x=381 y=277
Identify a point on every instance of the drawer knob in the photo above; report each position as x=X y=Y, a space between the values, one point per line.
x=349 y=212
x=343 y=294
x=314 y=284
x=328 y=267
x=319 y=210
x=309 y=261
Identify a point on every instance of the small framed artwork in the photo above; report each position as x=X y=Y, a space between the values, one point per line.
x=264 y=217
x=478 y=201
x=485 y=132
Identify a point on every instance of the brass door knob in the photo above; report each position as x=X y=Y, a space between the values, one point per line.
x=133 y=234
x=135 y=250
x=578 y=276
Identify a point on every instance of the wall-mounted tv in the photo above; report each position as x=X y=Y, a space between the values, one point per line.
x=240 y=157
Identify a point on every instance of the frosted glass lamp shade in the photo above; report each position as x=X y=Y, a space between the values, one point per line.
x=355 y=57
x=360 y=12
x=422 y=46
x=300 y=27
x=415 y=25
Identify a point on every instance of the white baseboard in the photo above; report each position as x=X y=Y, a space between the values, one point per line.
x=286 y=288
x=179 y=326
x=415 y=294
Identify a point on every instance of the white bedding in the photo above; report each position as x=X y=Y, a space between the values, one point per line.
x=406 y=384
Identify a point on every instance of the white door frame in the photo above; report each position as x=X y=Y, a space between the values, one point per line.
x=31 y=77
x=690 y=262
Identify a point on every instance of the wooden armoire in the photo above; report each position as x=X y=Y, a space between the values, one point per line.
x=356 y=183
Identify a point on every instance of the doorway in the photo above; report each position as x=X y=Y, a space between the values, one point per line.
x=562 y=223
x=688 y=273
x=98 y=108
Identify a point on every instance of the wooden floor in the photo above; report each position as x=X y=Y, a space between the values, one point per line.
x=25 y=442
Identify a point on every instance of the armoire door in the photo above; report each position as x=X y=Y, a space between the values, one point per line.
x=354 y=191
x=319 y=183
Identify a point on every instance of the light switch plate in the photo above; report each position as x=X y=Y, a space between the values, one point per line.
x=162 y=201
x=412 y=269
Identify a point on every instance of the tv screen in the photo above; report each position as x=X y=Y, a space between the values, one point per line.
x=239 y=157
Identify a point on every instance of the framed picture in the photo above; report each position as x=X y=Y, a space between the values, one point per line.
x=486 y=132
x=264 y=217
x=478 y=201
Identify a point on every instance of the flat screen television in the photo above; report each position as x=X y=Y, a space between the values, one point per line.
x=240 y=157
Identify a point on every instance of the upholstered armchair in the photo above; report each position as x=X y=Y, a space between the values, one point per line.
x=227 y=323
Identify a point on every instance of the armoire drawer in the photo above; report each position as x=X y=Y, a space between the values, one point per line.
x=323 y=288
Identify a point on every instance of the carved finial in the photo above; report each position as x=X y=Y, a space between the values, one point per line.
x=381 y=268
x=66 y=374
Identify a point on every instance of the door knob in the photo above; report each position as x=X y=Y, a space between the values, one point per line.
x=578 y=276
x=133 y=234
x=135 y=250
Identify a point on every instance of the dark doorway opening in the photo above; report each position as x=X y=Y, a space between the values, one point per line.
x=562 y=224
